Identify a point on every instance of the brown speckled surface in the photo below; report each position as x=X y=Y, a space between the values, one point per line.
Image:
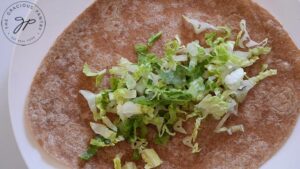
x=58 y=116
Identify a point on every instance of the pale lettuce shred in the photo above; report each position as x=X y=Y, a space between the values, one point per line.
x=103 y=130
x=128 y=109
x=117 y=162
x=90 y=98
x=199 y=26
x=213 y=105
x=129 y=165
x=109 y=124
x=178 y=126
x=232 y=129
x=244 y=37
x=151 y=158
x=234 y=79
x=88 y=72
x=190 y=141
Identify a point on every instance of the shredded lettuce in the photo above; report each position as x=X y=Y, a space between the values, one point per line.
x=129 y=165
x=187 y=84
x=232 y=129
x=178 y=126
x=117 y=162
x=109 y=124
x=199 y=26
x=197 y=88
x=90 y=98
x=213 y=105
x=103 y=130
x=128 y=109
x=234 y=79
x=244 y=36
x=151 y=158
x=122 y=94
x=188 y=142
x=102 y=101
x=246 y=85
x=87 y=71
x=154 y=38
x=89 y=153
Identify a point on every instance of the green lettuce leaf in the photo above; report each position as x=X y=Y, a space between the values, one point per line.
x=89 y=153
x=154 y=38
x=213 y=105
x=198 y=26
x=117 y=162
x=151 y=158
x=129 y=165
x=99 y=75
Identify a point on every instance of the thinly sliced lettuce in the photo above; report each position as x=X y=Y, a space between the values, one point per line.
x=180 y=58
x=154 y=78
x=89 y=153
x=102 y=101
x=141 y=86
x=178 y=126
x=222 y=121
x=139 y=144
x=262 y=75
x=226 y=30
x=242 y=54
x=88 y=72
x=99 y=75
x=188 y=142
x=124 y=67
x=244 y=37
x=129 y=165
x=156 y=121
x=213 y=105
x=199 y=26
x=165 y=129
x=234 y=79
x=117 y=162
x=151 y=158
x=197 y=88
x=103 y=130
x=122 y=94
x=232 y=129
x=260 y=51
x=154 y=38
x=128 y=109
x=130 y=81
x=109 y=124
x=196 y=128
x=90 y=98
x=246 y=85
x=196 y=53
x=129 y=66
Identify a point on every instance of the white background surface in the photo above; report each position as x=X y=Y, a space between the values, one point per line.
x=9 y=155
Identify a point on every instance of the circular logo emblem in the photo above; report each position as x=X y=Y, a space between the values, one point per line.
x=23 y=23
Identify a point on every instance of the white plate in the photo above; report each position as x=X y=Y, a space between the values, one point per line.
x=59 y=15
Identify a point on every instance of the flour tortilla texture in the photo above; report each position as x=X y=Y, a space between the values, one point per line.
x=58 y=116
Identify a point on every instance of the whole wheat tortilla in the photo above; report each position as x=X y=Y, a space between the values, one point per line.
x=58 y=116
